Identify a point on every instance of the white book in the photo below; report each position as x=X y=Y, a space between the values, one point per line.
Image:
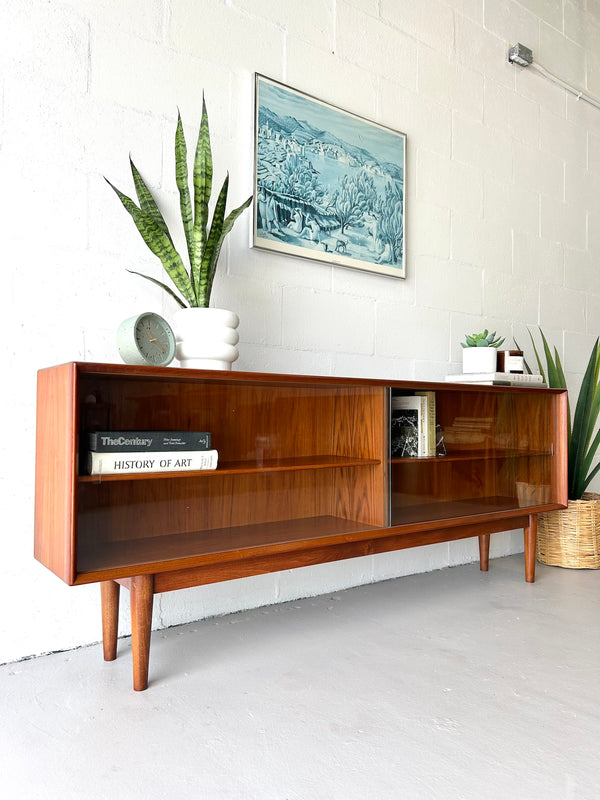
x=481 y=377
x=127 y=462
x=409 y=425
x=428 y=421
x=528 y=384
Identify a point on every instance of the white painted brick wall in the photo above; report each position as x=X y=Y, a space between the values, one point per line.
x=375 y=46
x=562 y=138
x=482 y=51
x=562 y=56
x=445 y=81
x=567 y=305
x=432 y=23
x=503 y=217
x=513 y=22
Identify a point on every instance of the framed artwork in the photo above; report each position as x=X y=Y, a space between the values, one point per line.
x=328 y=185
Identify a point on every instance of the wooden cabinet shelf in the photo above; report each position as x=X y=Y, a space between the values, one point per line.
x=472 y=455
x=242 y=468
x=434 y=510
x=206 y=547
x=304 y=477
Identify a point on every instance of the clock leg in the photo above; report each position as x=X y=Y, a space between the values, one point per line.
x=109 y=593
x=142 y=597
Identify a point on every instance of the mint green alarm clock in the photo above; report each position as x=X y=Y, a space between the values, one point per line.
x=146 y=339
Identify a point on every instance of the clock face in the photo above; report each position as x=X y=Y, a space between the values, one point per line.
x=146 y=339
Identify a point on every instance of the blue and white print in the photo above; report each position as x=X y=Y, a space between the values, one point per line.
x=328 y=184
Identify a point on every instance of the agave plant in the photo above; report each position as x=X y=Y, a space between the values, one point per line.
x=484 y=339
x=582 y=443
x=203 y=243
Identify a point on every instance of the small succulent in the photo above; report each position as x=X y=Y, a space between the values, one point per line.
x=484 y=339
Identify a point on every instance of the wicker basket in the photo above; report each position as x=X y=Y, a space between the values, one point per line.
x=570 y=537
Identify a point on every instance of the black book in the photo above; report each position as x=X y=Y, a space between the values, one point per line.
x=150 y=441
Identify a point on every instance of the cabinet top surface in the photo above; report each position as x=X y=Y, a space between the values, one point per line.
x=83 y=368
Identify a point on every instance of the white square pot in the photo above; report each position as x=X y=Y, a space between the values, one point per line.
x=479 y=359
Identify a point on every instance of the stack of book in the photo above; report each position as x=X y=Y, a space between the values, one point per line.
x=413 y=425
x=120 y=452
x=498 y=378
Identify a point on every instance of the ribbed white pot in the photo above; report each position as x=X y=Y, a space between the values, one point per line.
x=206 y=338
x=479 y=359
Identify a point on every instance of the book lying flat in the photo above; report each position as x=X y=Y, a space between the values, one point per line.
x=528 y=384
x=144 y=461
x=496 y=377
x=136 y=441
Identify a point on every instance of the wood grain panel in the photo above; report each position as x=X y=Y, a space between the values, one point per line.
x=55 y=470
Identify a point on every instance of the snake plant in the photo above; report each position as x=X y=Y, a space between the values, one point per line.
x=484 y=339
x=194 y=281
x=582 y=443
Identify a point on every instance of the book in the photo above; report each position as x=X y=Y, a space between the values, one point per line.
x=407 y=426
x=430 y=437
x=529 y=384
x=128 y=462
x=508 y=378
x=155 y=441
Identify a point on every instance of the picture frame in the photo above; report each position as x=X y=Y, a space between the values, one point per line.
x=328 y=185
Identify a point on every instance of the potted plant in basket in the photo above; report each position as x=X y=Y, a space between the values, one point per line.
x=204 y=242
x=571 y=537
x=480 y=352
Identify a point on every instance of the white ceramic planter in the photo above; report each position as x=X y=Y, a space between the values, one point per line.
x=206 y=338
x=479 y=359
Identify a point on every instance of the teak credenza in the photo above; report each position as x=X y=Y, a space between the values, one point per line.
x=304 y=477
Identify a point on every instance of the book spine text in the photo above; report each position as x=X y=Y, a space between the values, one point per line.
x=155 y=441
x=128 y=462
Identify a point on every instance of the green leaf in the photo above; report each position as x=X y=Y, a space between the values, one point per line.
x=161 y=284
x=584 y=423
x=160 y=244
x=203 y=171
x=208 y=264
x=562 y=384
x=146 y=200
x=181 y=178
x=559 y=371
x=589 y=479
x=537 y=357
x=227 y=226
x=554 y=378
x=587 y=461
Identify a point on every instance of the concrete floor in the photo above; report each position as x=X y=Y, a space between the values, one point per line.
x=451 y=684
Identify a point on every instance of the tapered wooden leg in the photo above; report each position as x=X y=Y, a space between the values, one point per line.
x=142 y=597
x=109 y=592
x=484 y=552
x=530 y=536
